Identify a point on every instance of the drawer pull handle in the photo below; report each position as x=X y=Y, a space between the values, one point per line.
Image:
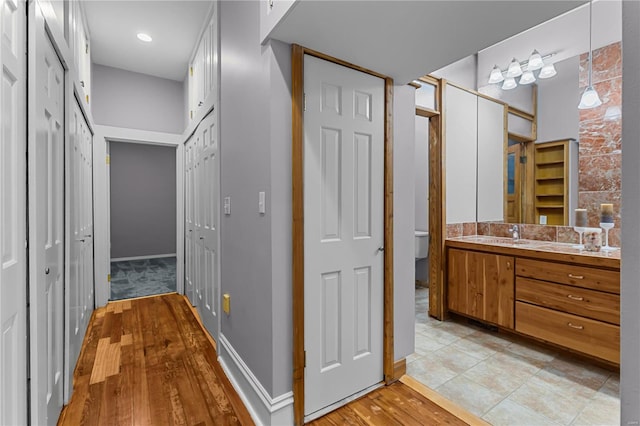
x=577 y=277
x=577 y=327
x=578 y=298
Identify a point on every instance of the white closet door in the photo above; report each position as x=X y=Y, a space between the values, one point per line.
x=46 y=210
x=13 y=266
x=343 y=232
x=189 y=222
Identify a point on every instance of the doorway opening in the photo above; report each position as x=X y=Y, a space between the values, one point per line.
x=142 y=191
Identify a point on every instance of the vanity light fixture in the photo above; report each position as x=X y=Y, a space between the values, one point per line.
x=144 y=37
x=515 y=70
x=527 y=77
x=547 y=71
x=535 y=62
x=613 y=113
x=590 y=98
x=496 y=75
x=509 y=83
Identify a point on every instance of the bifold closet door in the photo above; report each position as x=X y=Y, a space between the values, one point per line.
x=46 y=230
x=13 y=259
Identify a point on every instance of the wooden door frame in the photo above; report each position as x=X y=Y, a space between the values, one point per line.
x=297 y=98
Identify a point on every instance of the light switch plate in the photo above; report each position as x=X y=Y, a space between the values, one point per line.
x=226 y=303
x=543 y=219
x=262 y=209
x=227 y=205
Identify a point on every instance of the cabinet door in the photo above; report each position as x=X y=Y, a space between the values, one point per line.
x=481 y=285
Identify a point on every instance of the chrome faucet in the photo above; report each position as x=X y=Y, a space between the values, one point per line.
x=515 y=234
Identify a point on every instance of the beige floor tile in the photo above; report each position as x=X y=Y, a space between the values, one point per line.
x=475 y=349
x=580 y=371
x=430 y=374
x=474 y=397
x=566 y=385
x=495 y=376
x=601 y=410
x=453 y=359
x=612 y=386
x=534 y=354
x=509 y=413
x=414 y=356
x=440 y=335
x=515 y=364
x=542 y=398
x=490 y=339
x=425 y=344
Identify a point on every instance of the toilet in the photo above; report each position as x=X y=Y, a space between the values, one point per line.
x=421 y=244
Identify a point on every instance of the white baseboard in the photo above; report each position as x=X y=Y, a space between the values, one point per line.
x=264 y=410
x=153 y=256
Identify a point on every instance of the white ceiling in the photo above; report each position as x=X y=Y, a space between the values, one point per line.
x=407 y=39
x=174 y=25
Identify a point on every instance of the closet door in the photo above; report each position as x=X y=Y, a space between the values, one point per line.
x=189 y=222
x=13 y=259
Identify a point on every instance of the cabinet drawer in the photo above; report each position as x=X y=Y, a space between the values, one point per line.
x=582 y=334
x=575 y=300
x=581 y=276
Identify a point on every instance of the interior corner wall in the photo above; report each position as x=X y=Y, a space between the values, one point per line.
x=143 y=200
x=404 y=128
x=132 y=100
x=245 y=239
x=630 y=292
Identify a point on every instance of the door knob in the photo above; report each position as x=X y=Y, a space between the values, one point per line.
x=380 y=248
x=46 y=271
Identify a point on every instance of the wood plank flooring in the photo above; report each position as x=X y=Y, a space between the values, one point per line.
x=397 y=404
x=148 y=362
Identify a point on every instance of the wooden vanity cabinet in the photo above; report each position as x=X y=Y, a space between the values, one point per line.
x=481 y=285
x=577 y=307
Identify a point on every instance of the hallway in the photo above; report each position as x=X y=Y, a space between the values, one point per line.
x=148 y=361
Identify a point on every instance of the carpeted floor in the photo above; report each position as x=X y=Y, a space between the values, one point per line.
x=137 y=278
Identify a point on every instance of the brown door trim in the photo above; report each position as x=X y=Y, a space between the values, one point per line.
x=297 y=98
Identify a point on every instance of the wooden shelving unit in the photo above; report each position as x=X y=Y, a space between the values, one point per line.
x=556 y=181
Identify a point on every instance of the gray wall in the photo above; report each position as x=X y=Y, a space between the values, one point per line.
x=136 y=101
x=462 y=72
x=630 y=292
x=421 y=162
x=255 y=249
x=143 y=200
x=558 y=98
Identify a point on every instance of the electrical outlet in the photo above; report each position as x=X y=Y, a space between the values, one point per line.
x=226 y=303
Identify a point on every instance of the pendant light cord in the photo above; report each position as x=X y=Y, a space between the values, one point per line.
x=590 y=48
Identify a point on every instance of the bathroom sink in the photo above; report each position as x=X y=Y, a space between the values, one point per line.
x=505 y=241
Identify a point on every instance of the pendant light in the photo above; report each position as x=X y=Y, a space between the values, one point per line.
x=590 y=98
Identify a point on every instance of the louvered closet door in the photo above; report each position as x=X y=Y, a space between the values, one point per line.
x=13 y=266
x=343 y=231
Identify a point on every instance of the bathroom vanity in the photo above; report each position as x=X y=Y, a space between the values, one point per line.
x=548 y=291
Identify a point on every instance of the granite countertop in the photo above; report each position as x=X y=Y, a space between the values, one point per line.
x=537 y=249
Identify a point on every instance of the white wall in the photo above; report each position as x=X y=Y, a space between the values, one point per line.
x=630 y=291
x=136 y=101
x=462 y=72
x=421 y=168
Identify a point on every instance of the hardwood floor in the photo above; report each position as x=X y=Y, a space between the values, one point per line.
x=148 y=362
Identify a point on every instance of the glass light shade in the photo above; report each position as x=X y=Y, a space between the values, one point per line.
x=514 y=69
x=535 y=61
x=509 y=83
x=144 y=37
x=613 y=113
x=527 y=78
x=547 y=71
x=496 y=75
x=589 y=99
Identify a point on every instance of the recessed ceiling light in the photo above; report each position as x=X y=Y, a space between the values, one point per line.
x=144 y=37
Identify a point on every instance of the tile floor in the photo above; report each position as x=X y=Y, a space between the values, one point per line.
x=507 y=381
x=146 y=277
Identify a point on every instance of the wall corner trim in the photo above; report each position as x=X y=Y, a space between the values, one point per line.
x=264 y=409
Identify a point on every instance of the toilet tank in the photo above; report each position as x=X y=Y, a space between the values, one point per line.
x=421 y=244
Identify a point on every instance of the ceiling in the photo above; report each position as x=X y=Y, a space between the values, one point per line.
x=174 y=25
x=406 y=39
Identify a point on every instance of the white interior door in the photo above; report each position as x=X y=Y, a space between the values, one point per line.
x=189 y=226
x=46 y=236
x=79 y=237
x=208 y=230
x=13 y=265
x=343 y=231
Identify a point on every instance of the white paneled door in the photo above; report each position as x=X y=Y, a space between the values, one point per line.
x=46 y=235
x=189 y=225
x=343 y=232
x=13 y=262
x=79 y=294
